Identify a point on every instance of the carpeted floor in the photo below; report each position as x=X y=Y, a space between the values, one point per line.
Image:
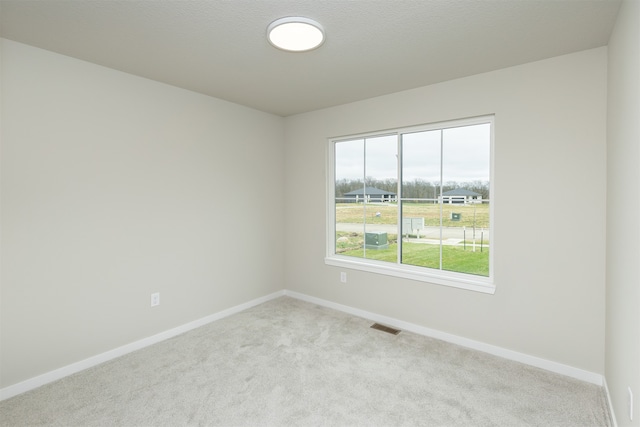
x=291 y=363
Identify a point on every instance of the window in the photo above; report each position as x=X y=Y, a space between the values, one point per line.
x=415 y=203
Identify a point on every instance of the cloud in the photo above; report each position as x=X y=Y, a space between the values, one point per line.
x=465 y=155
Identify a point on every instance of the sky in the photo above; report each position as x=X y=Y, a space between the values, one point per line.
x=466 y=155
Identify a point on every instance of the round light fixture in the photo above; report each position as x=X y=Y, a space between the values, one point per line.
x=295 y=34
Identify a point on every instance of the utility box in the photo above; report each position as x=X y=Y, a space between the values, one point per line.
x=455 y=216
x=376 y=240
x=412 y=225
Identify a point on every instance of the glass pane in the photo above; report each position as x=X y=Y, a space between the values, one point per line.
x=349 y=206
x=420 y=190
x=465 y=199
x=381 y=208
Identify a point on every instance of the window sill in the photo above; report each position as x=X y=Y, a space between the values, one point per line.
x=461 y=281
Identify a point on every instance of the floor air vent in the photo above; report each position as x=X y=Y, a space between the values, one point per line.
x=385 y=329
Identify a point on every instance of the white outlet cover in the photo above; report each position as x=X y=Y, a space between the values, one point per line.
x=155 y=299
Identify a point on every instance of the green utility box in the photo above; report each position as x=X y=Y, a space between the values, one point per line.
x=376 y=240
x=455 y=216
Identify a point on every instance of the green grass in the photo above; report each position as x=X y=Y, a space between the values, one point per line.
x=357 y=212
x=454 y=258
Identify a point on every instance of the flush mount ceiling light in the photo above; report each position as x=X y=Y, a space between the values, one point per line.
x=295 y=34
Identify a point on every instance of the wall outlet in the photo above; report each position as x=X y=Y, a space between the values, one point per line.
x=155 y=299
x=630 y=403
x=343 y=277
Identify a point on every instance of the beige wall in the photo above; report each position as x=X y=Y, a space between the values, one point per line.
x=549 y=254
x=623 y=229
x=114 y=187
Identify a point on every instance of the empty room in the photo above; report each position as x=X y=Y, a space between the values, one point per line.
x=427 y=215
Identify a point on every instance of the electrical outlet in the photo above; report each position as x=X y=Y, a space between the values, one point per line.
x=630 y=403
x=343 y=277
x=155 y=299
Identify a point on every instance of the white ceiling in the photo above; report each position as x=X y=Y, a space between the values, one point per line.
x=373 y=47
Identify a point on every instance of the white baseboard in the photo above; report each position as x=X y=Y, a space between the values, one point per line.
x=73 y=368
x=611 y=411
x=57 y=374
x=548 y=365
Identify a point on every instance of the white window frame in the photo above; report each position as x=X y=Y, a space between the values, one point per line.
x=424 y=274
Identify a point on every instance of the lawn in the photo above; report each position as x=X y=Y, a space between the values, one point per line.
x=387 y=213
x=454 y=258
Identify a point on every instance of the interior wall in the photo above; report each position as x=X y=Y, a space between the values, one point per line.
x=549 y=199
x=114 y=187
x=623 y=229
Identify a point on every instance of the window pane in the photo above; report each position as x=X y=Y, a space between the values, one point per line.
x=465 y=198
x=381 y=209
x=420 y=190
x=349 y=185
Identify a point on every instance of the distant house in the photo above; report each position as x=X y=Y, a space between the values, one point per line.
x=371 y=194
x=460 y=195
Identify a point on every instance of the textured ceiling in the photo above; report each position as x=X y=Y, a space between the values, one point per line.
x=373 y=47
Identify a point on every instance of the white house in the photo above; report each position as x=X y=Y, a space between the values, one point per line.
x=460 y=195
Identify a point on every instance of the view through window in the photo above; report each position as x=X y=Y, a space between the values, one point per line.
x=418 y=199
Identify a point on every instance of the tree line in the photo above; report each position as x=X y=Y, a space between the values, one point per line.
x=415 y=189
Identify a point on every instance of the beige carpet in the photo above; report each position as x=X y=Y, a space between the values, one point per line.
x=291 y=363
